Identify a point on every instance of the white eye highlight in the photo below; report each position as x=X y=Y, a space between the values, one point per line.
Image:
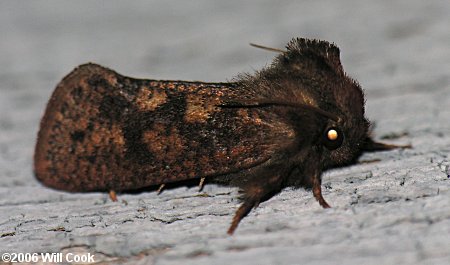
x=333 y=138
x=332 y=135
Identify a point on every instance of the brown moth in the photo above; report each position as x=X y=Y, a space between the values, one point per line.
x=282 y=126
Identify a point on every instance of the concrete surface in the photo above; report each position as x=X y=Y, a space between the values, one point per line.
x=394 y=211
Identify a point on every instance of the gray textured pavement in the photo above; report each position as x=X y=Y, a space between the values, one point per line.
x=394 y=211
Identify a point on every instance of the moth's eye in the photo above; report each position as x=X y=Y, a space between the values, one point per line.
x=333 y=138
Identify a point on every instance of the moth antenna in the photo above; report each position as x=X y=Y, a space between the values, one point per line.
x=262 y=103
x=267 y=48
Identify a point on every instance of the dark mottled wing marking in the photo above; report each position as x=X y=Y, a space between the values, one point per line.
x=105 y=131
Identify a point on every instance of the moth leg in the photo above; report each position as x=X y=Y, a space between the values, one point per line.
x=317 y=192
x=160 y=189
x=372 y=146
x=243 y=210
x=254 y=194
x=113 y=195
x=201 y=184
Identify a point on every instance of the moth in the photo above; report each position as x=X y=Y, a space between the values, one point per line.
x=281 y=126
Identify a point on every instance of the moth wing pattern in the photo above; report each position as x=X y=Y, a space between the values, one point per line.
x=105 y=131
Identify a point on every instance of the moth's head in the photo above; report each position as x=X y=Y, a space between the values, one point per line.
x=312 y=70
x=309 y=77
